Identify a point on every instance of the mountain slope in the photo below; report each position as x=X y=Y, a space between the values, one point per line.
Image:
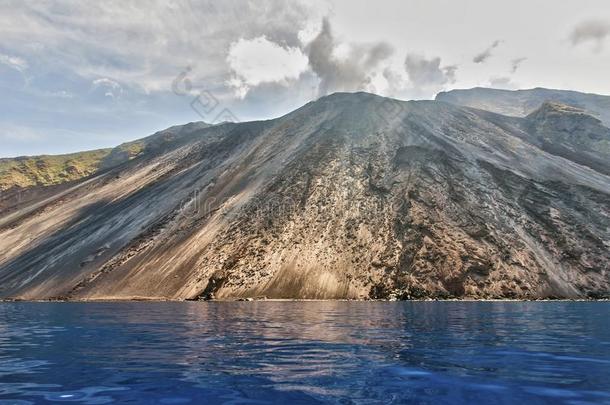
x=351 y=196
x=48 y=170
x=569 y=132
x=561 y=130
x=520 y=103
x=28 y=171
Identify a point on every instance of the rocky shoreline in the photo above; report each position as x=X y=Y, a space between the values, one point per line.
x=3 y=300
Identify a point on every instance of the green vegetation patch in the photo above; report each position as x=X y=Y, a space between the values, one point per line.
x=46 y=170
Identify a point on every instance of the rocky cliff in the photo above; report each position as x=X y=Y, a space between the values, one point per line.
x=350 y=196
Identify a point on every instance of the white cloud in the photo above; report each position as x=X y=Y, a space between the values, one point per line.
x=110 y=87
x=14 y=62
x=310 y=31
x=260 y=60
x=143 y=48
x=147 y=46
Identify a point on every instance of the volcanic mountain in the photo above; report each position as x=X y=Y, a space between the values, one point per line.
x=350 y=196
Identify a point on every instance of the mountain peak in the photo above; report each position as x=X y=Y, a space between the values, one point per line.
x=350 y=96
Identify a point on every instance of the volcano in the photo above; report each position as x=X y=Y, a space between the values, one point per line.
x=352 y=196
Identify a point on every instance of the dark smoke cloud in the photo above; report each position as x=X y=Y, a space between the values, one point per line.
x=516 y=63
x=591 y=30
x=483 y=56
x=428 y=72
x=349 y=74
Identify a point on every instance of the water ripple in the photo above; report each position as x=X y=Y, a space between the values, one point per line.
x=305 y=352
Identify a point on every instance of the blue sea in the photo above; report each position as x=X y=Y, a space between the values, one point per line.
x=334 y=352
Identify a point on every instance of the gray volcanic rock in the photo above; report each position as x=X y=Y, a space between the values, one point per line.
x=154 y=143
x=350 y=196
x=570 y=132
x=520 y=103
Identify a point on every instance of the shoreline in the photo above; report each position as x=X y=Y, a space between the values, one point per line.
x=146 y=299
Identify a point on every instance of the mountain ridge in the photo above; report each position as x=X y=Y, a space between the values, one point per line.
x=520 y=103
x=49 y=170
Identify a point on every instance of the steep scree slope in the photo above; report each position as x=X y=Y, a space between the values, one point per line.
x=351 y=196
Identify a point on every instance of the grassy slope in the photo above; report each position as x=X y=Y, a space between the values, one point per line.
x=47 y=170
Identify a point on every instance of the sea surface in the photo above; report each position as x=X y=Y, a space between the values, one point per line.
x=305 y=352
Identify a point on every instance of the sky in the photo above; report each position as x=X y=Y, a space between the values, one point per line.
x=79 y=75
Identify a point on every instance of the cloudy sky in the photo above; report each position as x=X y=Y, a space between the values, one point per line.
x=78 y=75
